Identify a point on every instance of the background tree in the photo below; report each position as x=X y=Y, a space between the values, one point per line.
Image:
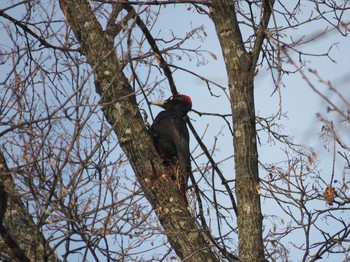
x=80 y=75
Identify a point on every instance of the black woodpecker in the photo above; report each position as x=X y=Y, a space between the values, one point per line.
x=171 y=138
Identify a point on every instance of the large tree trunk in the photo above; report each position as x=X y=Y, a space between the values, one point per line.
x=240 y=67
x=121 y=111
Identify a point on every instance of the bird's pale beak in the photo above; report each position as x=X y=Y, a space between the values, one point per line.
x=158 y=103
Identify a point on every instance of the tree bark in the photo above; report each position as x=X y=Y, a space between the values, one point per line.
x=121 y=111
x=240 y=66
x=20 y=238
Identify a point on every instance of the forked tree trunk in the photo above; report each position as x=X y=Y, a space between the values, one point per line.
x=240 y=67
x=121 y=111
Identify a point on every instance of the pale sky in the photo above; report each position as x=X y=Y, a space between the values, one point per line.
x=299 y=102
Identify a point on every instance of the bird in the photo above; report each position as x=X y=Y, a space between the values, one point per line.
x=171 y=137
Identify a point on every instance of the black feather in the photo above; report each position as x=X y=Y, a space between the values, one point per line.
x=171 y=137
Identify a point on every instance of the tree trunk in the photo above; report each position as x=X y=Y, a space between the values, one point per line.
x=121 y=111
x=20 y=238
x=240 y=67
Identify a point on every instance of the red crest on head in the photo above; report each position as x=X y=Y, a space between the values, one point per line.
x=186 y=97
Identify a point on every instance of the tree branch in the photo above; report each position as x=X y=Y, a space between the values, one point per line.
x=41 y=40
x=157 y=53
x=261 y=33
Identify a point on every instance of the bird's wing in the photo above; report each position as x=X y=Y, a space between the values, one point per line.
x=173 y=127
x=181 y=139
